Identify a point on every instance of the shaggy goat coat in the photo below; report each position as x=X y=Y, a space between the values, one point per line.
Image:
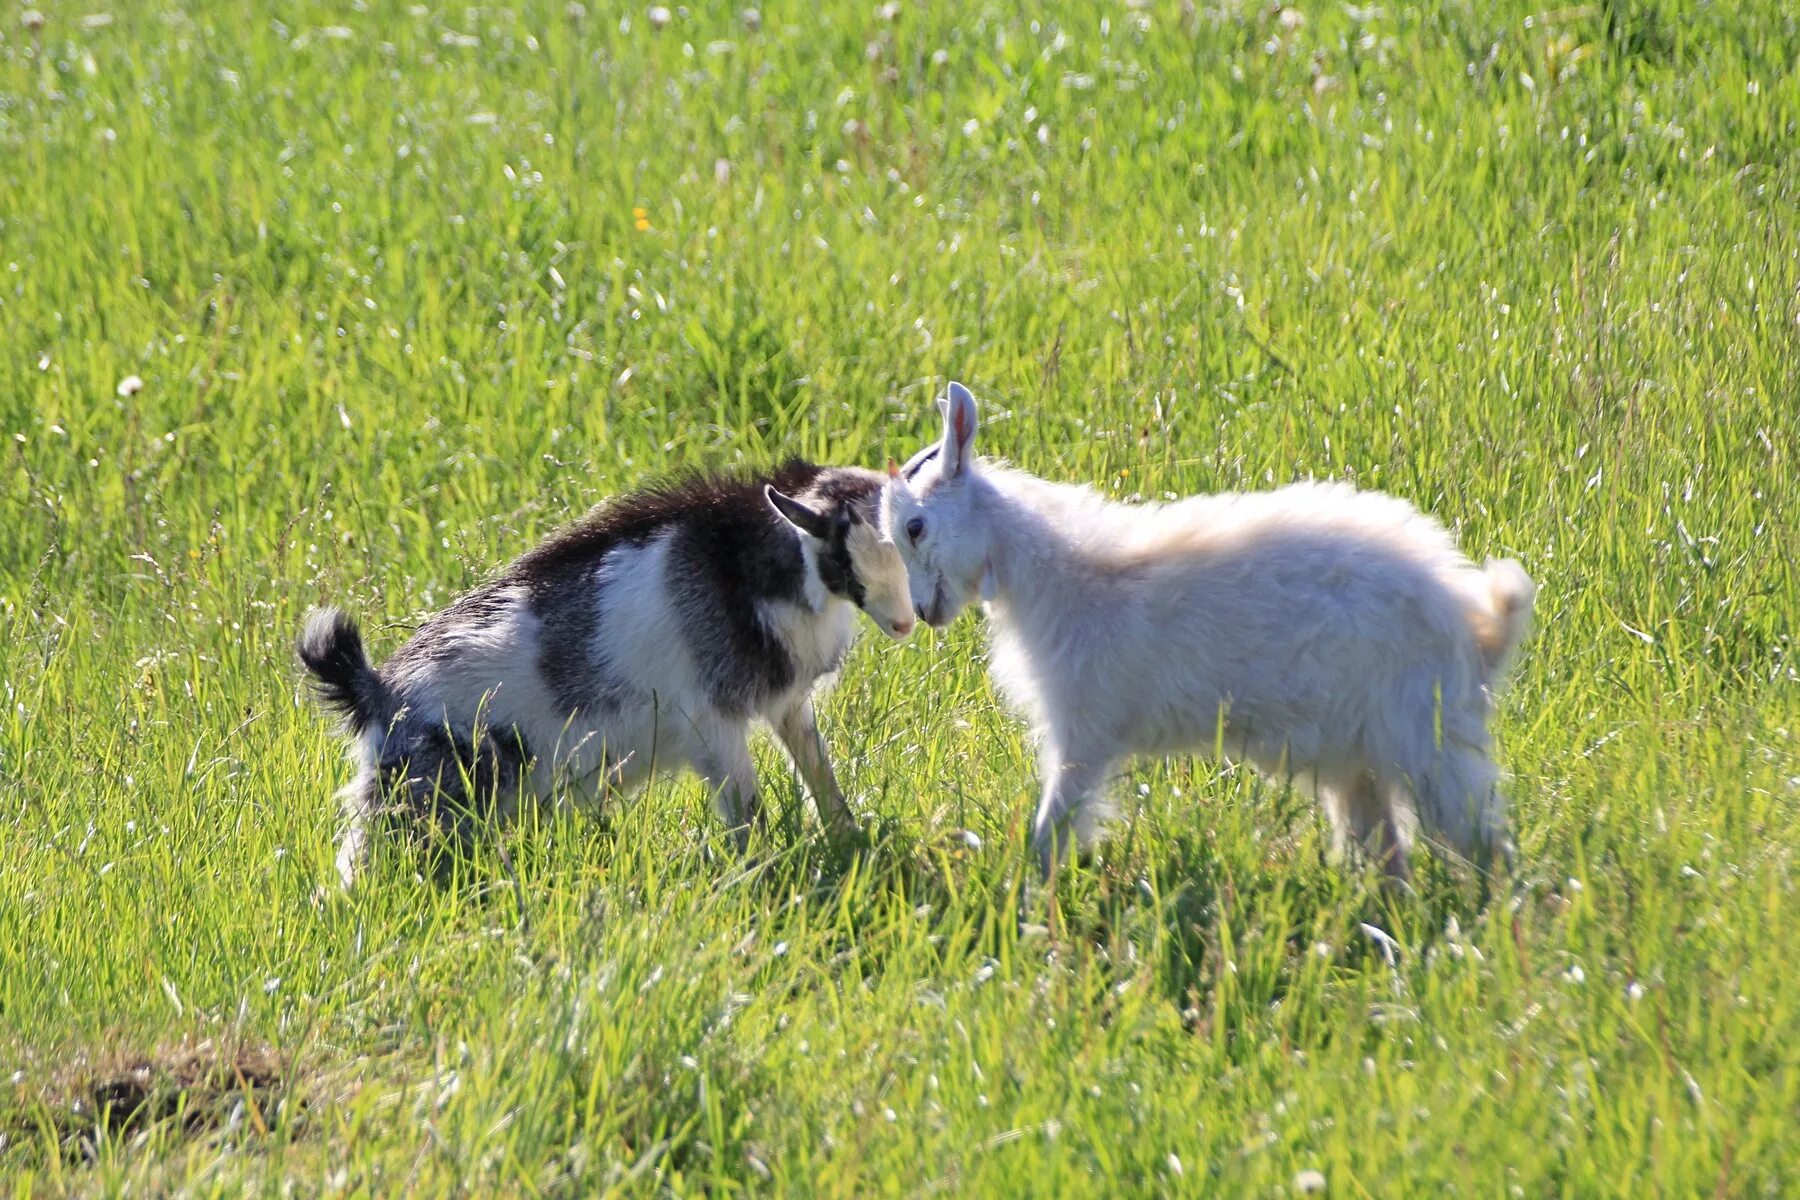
x=1331 y=636
x=647 y=636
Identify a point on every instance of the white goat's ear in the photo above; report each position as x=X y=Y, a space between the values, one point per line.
x=807 y=520
x=959 y=430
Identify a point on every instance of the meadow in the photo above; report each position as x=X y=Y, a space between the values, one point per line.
x=352 y=301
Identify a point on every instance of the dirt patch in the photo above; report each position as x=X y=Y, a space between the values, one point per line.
x=191 y=1088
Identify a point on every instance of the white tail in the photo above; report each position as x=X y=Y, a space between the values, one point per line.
x=1513 y=593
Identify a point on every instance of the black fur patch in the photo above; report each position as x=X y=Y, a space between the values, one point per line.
x=837 y=570
x=567 y=654
x=445 y=784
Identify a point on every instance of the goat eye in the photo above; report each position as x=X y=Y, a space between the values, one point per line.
x=915 y=528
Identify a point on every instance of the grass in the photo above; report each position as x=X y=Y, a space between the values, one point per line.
x=408 y=285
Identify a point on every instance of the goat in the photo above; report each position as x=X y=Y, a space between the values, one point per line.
x=648 y=635
x=1331 y=635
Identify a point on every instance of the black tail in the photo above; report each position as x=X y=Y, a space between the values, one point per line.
x=332 y=650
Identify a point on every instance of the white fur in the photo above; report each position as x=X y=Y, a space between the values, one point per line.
x=1335 y=637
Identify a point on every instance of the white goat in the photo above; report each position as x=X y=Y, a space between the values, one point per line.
x=1334 y=637
x=647 y=636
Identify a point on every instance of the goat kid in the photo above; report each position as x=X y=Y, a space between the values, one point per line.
x=1332 y=636
x=649 y=635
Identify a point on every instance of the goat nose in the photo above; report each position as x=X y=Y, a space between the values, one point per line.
x=902 y=628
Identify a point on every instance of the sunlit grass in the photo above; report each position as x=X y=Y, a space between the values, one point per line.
x=352 y=305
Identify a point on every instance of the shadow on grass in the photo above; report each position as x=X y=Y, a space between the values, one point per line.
x=1236 y=927
x=1196 y=906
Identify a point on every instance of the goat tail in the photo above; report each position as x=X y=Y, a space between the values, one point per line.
x=1499 y=632
x=332 y=649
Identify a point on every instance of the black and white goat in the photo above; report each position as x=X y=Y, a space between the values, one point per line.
x=1334 y=636
x=649 y=635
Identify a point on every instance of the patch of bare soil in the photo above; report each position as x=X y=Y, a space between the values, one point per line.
x=194 y=1088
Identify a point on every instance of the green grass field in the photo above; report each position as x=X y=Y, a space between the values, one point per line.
x=407 y=286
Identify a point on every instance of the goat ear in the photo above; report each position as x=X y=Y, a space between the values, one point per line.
x=802 y=517
x=959 y=429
